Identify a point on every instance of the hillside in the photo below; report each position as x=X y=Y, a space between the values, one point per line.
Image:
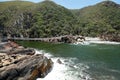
x=15 y=16
x=52 y=20
x=26 y=19
x=48 y=19
x=102 y=19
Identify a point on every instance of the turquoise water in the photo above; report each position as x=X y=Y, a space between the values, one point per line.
x=83 y=62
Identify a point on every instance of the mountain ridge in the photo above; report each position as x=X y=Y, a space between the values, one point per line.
x=101 y=20
x=48 y=19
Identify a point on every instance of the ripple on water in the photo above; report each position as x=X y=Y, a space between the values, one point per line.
x=72 y=69
x=68 y=70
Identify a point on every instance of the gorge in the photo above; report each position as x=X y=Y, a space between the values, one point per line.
x=47 y=19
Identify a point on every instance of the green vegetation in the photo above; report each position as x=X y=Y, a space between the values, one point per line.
x=51 y=19
x=26 y=19
x=100 y=19
x=47 y=19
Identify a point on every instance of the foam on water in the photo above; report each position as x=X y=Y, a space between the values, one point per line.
x=82 y=43
x=99 y=41
x=104 y=42
x=68 y=70
x=96 y=42
x=43 y=52
x=71 y=69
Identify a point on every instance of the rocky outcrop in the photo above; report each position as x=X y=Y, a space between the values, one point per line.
x=23 y=64
x=68 y=39
x=6 y=47
x=111 y=37
x=27 y=51
x=25 y=68
x=13 y=48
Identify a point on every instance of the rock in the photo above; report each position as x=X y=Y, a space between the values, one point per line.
x=13 y=48
x=6 y=47
x=68 y=39
x=28 y=51
x=21 y=63
x=6 y=59
x=115 y=38
x=26 y=68
x=80 y=39
x=59 y=61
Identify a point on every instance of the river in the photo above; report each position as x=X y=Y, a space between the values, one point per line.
x=80 y=62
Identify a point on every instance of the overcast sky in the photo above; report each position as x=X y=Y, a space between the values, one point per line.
x=72 y=4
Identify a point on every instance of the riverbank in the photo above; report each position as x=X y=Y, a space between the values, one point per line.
x=60 y=39
x=96 y=40
x=68 y=39
x=19 y=63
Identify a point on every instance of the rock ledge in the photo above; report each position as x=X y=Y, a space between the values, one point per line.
x=16 y=65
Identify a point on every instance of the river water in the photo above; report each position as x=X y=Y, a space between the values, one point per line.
x=80 y=62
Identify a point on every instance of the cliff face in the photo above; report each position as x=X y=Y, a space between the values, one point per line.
x=17 y=66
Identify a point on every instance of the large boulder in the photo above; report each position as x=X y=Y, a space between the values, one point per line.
x=26 y=68
x=19 y=63
x=68 y=39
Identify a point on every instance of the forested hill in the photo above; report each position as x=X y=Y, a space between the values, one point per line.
x=102 y=19
x=45 y=19
x=48 y=19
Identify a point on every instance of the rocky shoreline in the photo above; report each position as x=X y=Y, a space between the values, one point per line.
x=19 y=63
x=60 y=39
x=68 y=39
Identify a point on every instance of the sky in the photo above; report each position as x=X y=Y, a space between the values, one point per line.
x=73 y=4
